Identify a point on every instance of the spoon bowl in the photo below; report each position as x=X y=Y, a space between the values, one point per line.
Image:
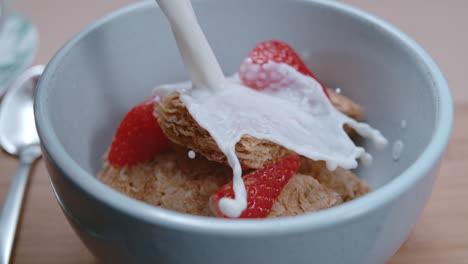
x=18 y=136
x=17 y=126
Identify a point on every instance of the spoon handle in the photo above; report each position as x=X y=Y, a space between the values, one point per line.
x=12 y=207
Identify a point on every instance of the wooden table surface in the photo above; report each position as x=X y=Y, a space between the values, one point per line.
x=441 y=235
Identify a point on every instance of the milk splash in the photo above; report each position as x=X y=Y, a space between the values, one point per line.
x=295 y=114
x=298 y=116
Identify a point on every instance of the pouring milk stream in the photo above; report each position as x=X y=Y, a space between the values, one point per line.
x=298 y=115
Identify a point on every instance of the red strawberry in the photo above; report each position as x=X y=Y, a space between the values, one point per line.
x=258 y=77
x=138 y=137
x=263 y=188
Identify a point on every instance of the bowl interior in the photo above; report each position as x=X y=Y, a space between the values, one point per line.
x=114 y=65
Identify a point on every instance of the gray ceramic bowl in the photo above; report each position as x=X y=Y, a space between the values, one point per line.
x=114 y=63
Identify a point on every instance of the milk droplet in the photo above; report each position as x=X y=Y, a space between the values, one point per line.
x=403 y=123
x=366 y=159
x=397 y=149
x=192 y=154
x=338 y=90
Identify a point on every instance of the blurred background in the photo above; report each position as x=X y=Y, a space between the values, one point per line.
x=440 y=27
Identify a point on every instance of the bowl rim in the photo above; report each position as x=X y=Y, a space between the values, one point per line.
x=349 y=211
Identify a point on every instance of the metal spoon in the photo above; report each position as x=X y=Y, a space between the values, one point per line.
x=18 y=137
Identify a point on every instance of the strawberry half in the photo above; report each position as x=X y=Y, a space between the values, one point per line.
x=253 y=73
x=138 y=137
x=263 y=188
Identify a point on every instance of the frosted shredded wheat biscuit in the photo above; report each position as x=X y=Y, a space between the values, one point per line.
x=342 y=181
x=170 y=180
x=304 y=194
x=180 y=127
x=173 y=181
